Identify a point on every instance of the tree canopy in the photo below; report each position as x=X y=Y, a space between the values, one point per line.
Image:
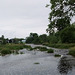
x=61 y=14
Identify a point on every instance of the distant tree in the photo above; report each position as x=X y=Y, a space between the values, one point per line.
x=2 y=37
x=32 y=38
x=43 y=38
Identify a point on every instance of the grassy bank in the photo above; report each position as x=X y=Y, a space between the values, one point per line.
x=11 y=48
x=71 y=47
x=61 y=46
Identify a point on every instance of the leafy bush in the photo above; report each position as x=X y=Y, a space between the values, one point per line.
x=10 y=48
x=50 y=51
x=68 y=35
x=5 y=51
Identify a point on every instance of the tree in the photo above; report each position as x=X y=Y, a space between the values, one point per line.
x=68 y=34
x=33 y=37
x=43 y=38
x=61 y=14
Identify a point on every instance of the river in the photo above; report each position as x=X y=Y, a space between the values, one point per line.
x=36 y=63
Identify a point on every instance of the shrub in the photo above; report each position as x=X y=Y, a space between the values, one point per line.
x=5 y=51
x=10 y=48
x=43 y=49
x=50 y=51
x=68 y=35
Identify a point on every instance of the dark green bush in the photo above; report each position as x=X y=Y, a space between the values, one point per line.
x=50 y=51
x=43 y=49
x=68 y=35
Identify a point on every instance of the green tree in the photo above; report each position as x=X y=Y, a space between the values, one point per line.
x=43 y=38
x=61 y=13
x=68 y=34
x=32 y=38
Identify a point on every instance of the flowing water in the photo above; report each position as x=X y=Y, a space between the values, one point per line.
x=36 y=63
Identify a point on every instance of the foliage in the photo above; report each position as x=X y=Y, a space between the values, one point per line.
x=35 y=39
x=52 y=39
x=68 y=35
x=43 y=38
x=41 y=48
x=50 y=51
x=61 y=14
x=10 y=48
x=27 y=47
x=61 y=46
x=5 y=51
x=72 y=51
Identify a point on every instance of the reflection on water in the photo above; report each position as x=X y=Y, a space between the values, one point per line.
x=64 y=66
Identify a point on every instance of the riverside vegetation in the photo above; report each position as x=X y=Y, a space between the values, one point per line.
x=10 y=48
x=14 y=48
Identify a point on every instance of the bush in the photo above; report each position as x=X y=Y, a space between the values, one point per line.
x=50 y=51
x=10 y=48
x=27 y=47
x=68 y=35
x=5 y=51
x=72 y=51
x=52 y=39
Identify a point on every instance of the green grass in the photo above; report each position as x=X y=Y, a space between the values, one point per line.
x=72 y=51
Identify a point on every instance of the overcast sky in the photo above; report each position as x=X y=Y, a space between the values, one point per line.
x=18 y=18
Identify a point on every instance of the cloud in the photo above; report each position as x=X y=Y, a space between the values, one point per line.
x=20 y=17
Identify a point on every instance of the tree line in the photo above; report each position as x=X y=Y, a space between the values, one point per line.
x=60 y=27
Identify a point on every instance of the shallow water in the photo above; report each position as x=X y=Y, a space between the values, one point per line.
x=24 y=64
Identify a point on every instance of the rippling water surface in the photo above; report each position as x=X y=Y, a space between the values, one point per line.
x=24 y=64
